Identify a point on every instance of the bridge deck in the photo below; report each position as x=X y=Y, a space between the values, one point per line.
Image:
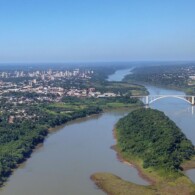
x=152 y=98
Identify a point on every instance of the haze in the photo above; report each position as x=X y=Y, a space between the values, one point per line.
x=96 y=30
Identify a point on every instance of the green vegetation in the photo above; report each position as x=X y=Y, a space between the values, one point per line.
x=25 y=117
x=189 y=164
x=151 y=136
x=114 y=185
x=99 y=82
x=18 y=139
x=103 y=103
x=157 y=147
x=121 y=88
x=16 y=144
x=169 y=76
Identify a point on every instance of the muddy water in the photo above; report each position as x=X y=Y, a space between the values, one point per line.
x=68 y=157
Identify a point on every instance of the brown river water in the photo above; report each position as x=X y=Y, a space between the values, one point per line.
x=63 y=165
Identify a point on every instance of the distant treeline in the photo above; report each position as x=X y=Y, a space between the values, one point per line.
x=174 y=76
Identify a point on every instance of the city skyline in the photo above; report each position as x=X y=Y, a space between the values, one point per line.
x=95 y=31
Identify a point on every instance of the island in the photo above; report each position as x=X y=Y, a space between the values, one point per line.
x=153 y=143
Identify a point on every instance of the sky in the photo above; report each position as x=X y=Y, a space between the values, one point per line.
x=96 y=30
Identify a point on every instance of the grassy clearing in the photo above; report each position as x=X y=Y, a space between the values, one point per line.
x=168 y=184
x=114 y=185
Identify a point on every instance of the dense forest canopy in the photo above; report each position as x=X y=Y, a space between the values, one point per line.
x=150 y=135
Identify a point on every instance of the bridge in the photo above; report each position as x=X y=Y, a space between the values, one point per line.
x=149 y=99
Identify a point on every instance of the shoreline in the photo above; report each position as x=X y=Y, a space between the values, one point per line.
x=114 y=185
x=185 y=166
x=145 y=84
x=136 y=166
x=51 y=130
x=188 y=165
x=131 y=163
x=23 y=161
x=40 y=144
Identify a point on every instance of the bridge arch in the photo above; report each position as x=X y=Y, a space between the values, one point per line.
x=169 y=96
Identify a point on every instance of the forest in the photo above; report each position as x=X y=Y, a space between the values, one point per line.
x=174 y=76
x=18 y=139
x=152 y=137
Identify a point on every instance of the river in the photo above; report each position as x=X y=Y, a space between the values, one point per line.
x=68 y=157
x=120 y=74
x=181 y=112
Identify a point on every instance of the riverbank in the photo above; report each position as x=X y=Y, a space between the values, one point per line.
x=157 y=183
x=24 y=149
x=169 y=77
x=136 y=163
x=114 y=185
x=168 y=87
x=64 y=159
x=36 y=140
x=160 y=183
x=190 y=164
x=133 y=161
x=20 y=138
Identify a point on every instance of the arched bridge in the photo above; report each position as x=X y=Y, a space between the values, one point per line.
x=152 y=98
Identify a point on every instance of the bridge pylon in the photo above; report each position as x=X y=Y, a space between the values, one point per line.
x=147 y=100
x=192 y=100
